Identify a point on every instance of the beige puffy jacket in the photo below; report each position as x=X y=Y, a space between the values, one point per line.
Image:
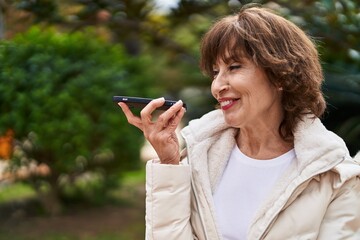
x=317 y=198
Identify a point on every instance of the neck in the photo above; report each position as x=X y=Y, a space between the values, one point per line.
x=260 y=144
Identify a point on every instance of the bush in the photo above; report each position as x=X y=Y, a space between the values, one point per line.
x=56 y=94
x=343 y=96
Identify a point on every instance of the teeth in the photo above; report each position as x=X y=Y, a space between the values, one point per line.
x=224 y=103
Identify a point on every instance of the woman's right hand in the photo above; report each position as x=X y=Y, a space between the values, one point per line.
x=160 y=133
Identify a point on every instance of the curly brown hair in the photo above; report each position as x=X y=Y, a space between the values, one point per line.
x=285 y=52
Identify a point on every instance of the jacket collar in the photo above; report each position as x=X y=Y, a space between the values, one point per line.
x=312 y=141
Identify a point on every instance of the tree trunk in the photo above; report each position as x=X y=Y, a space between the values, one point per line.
x=2 y=23
x=49 y=199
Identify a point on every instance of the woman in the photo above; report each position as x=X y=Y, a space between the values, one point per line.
x=263 y=166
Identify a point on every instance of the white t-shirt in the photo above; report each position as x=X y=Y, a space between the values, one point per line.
x=244 y=185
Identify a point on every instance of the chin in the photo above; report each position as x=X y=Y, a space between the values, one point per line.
x=233 y=115
x=232 y=121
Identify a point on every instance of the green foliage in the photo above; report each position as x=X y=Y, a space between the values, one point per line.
x=343 y=97
x=16 y=191
x=174 y=38
x=42 y=9
x=56 y=94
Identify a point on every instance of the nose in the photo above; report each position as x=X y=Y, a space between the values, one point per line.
x=219 y=85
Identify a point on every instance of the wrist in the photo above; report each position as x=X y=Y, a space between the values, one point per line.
x=170 y=161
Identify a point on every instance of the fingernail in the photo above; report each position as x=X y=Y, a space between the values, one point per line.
x=179 y=102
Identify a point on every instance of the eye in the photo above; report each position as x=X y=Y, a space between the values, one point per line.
x=215 y=73
x=234 y=67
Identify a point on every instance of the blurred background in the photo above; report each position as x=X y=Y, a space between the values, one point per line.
x=70 y=165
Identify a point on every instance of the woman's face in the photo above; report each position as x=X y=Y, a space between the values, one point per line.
x=245 y=94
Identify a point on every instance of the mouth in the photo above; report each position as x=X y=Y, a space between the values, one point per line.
x=225 y=104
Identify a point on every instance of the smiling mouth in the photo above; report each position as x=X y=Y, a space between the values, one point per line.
x=226 y=104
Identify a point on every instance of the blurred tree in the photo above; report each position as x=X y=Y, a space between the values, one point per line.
x=131 y=22
x=43 y=10
x=3 y=7
x=173 y=39
x=126 y=19
x=55 y=93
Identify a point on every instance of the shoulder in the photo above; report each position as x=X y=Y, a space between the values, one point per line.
x=343 y=178
x=357 y=158
x=348 y=169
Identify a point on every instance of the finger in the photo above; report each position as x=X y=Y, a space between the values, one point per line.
x=167 y=118
x=146 y=112
x=131 y=118
x=175 y=121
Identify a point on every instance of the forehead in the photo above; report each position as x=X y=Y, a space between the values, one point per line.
x=236 y=54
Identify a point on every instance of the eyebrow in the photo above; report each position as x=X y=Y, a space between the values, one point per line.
x=229 y=60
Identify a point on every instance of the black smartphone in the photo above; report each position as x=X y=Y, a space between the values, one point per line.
x=137 y=102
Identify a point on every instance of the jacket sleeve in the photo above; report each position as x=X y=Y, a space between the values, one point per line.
x=342 y=218
x=168 y=192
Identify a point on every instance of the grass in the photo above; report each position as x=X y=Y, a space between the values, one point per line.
x=132 y=178
x=57 y=236
x=19 y=190
x=132 y=182
x=15 y=191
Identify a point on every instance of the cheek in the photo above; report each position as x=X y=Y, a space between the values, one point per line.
x=212 y=89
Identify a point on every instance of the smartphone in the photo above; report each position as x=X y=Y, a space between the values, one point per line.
x=137 y=102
